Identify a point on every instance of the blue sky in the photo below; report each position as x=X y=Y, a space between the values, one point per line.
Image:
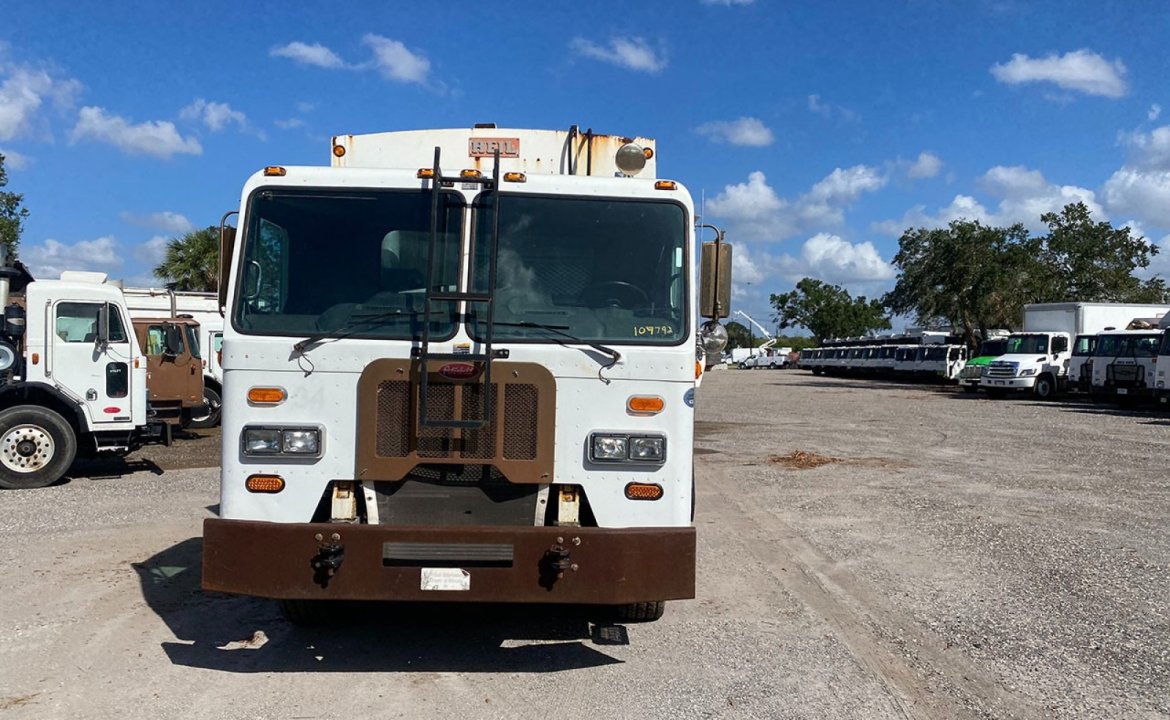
x=816 y=132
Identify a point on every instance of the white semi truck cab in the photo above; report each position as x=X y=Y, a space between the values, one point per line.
x=1124 y=365
x=460 y=365
x=1033 y=361
x=72 y=375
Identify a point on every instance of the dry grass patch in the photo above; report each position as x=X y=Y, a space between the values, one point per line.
x=802 y=460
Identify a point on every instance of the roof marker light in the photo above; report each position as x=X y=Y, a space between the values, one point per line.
x=275 y=171
x=666 y=185
x=516 y=177
x=470 y=173
x=338 y=151
x=426 y=173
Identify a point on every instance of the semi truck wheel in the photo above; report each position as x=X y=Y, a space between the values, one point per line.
x=37 y=446
x=210 y=418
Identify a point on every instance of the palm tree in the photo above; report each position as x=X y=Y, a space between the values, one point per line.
x=192 y=261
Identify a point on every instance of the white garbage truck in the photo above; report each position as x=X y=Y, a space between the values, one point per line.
x=72 y=375
x=460 y=365
x=1037 y=358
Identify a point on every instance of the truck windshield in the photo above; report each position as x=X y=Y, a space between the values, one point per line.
x=993 y=348
x=601 y=269
x=1027 y=345
x=1144 y=345
x=316 y=261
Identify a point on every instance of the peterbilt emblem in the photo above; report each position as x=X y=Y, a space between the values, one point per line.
x=459 y=371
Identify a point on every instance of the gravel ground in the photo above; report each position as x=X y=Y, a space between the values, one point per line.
x=955 y=557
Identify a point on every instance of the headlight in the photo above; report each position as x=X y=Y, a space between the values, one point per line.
x=261 y=441
x=647 y=448
x=281 y=441
x=1028 y=373
x=615 y=448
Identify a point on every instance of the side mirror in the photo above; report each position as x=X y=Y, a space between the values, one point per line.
x=715 y=280
x=103 y=326
x=227 y=244
x=174 y=346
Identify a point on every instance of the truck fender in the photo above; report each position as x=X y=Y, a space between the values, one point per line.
x=47 y=396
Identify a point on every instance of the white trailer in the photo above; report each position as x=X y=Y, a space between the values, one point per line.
x=203 y=308
x=460 y=365
x=72 y=375
x=1038 y=357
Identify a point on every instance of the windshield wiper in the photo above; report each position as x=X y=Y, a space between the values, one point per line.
x=560 y=330
x=352 y=325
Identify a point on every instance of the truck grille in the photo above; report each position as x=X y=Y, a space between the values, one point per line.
x=1002 y=370
x=1125 y=375
x=517 y=439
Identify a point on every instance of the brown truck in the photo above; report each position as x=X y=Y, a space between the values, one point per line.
x=174 y=369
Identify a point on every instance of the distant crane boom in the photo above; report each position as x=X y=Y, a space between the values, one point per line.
x=764 y=330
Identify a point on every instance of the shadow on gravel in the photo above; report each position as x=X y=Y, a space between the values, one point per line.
x=112 y=467
x=249 y=635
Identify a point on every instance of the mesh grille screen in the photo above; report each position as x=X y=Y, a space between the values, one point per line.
x=393 y=427
x=479 y=444
x=520 y=422
x=1126 y=373
x=432 y=441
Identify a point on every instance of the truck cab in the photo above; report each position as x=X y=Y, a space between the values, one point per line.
x=1034 y=362
x=1080 y=365
x=174 y=367
x=1124 y=364
x=972 y=372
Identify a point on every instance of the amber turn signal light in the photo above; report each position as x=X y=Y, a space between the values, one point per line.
x=643 y=491
x=266 y=395
x=645 y=405
x=264 y=483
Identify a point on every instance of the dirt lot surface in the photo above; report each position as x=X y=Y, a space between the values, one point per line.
x=865 y=551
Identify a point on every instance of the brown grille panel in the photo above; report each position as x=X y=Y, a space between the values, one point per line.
x=520 y=422
x=393 y=426
x=479 y=444
x=436 y=442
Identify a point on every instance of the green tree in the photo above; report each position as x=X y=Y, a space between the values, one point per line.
x=192 y=261
x=828 y=310
x=967 y=276
x=738 y=336
x=12 y=214
x=1093 y=261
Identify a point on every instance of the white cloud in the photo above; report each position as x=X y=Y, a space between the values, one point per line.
x=838 y=261
x=151 y=252
x=14 y=160
x=1149 y=150
x=305 y=54
x=305 y=107
x=827 y=110
x=158 y=138
x=51 y=258
x=396 y=62
x=1143 y=193
x=165 y=221
x=23 y=94
x=1080 y=70
x=927 y=165
x=289 y=124
x=1154 y=113
x=744 y=131
x=1024 y=195
x=632 y=53
x=214 y=115
x=756 y=212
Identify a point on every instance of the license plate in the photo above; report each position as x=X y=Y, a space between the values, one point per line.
x=1000 y=382
x=445 y=579
x=1122 y=391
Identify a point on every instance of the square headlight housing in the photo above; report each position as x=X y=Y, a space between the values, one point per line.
x=623 y=448
x=293 y=441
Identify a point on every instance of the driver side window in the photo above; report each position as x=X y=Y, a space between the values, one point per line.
x=77 y=322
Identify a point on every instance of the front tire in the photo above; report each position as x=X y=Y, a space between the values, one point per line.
x=641 y=612
x=1045 y=387
x=211 y=418
x=37 y=446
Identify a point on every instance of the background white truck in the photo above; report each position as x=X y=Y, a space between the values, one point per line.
x=1037 y=358
x=72 y=375
x=203 y=308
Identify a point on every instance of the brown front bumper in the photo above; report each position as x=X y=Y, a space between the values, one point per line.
x=505 y=564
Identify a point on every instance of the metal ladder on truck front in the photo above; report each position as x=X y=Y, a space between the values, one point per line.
x=424 y=354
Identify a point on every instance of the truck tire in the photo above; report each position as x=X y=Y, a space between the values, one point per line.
x=210 y=418
x=1045 y=387
x=37 y=446
x=641 y=612
x=309 y=612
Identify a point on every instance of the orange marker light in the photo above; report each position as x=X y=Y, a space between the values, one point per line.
x=666 y=185
x=275 y=171
x=266 y=395
x=516 y=177
x=470 y=173
x=645 y=405
x=338 y=151
x=643 y=491
x=36 y=358
x=425 y=173
x=264 y=483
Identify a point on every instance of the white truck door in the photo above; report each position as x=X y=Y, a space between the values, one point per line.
x=97 y=376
